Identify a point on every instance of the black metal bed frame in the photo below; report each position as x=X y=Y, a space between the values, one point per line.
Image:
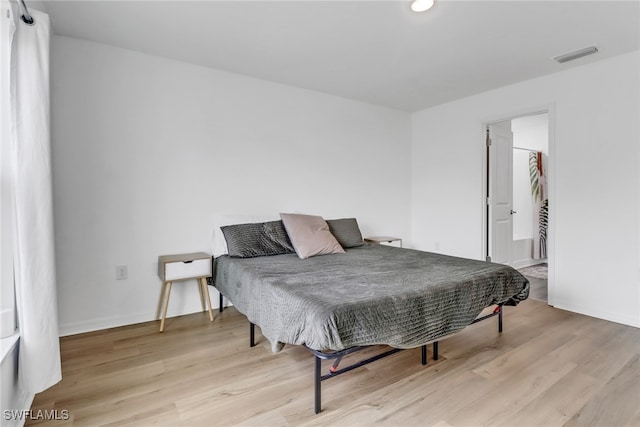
x=337 y=356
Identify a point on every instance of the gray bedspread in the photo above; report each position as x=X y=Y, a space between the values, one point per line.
x=373 y=294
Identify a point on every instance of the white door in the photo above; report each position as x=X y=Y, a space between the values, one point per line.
x=500 y=200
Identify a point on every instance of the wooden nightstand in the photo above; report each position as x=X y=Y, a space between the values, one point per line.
x=383 y=239
x=183 y=267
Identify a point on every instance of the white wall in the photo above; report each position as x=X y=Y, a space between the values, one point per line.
x=594 y=210
x=146 y=151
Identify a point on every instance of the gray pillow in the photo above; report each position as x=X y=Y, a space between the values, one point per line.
x=257 y=239
x=346 y=232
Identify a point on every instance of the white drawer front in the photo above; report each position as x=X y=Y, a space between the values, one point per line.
x=185 y=270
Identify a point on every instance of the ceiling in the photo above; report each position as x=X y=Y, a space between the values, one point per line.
x=373 y=51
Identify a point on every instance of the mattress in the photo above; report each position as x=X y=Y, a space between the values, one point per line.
x=373 y=294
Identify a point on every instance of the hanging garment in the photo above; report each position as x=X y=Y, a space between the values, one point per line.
x=543 y=221
x=540 y=204
x=534 y=176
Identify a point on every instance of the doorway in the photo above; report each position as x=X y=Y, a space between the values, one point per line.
x=517 y=196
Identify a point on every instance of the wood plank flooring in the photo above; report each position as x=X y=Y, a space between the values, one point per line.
x=548 y=368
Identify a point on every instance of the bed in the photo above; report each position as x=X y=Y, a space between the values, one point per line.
x=370 y=294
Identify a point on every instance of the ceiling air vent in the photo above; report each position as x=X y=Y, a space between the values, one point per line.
x=576 y=54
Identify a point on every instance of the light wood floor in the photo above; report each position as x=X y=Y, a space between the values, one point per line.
x=548 y=368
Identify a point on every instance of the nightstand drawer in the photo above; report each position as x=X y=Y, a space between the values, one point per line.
x=187 y=269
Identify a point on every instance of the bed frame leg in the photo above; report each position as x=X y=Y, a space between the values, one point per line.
x=252 y=335
x=424 y=354
x=221 y=302
x=317 y=406
x=435 y=350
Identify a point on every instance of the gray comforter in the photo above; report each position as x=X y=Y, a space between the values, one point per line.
x=373 y=294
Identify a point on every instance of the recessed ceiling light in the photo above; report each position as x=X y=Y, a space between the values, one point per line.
x=422 y=5
x=576 y=54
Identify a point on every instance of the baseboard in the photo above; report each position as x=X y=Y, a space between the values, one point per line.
x=91 y=325
x=600 y=314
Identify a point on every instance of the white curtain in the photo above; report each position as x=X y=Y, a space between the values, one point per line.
x=34 y=258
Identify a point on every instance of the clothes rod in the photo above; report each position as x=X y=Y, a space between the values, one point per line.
x=26 y=16
x=525 y=149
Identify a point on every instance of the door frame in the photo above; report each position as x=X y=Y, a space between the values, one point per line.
x=551 y=175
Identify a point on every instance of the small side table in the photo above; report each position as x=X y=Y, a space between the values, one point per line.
x=383 y=239
x=183 y=267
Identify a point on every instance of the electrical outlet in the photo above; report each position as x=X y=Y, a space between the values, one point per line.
x=121 y=272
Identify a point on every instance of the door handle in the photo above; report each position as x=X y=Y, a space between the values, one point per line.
x=512 y=212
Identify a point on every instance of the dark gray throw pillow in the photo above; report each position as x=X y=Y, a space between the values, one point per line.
x=346 y=232
x=257 y=239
